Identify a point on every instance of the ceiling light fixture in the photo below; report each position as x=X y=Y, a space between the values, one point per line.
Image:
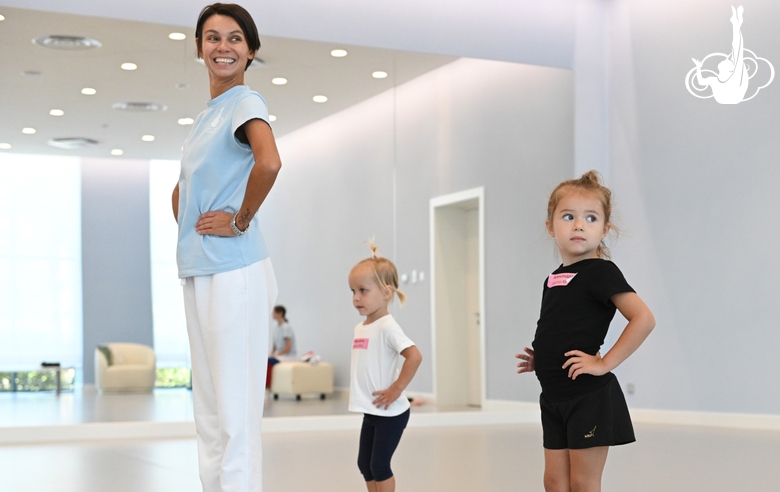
x=319 y=99
x=278 y=81
x=69 y=43
x=139 y=106
x=28 y=131
x=338 y=53
x=88 y=91
x=129 y=66
x=177 y=36
x=185 y=121
x=272 y=117
x=4 y=146
x=32 y=73
x=71 y=143
x=379 y=74
x=148 y=138
x=117 y=151
x=56 y=112
x=2 y=17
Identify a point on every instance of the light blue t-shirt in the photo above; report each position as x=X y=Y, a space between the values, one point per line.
x=215 y=169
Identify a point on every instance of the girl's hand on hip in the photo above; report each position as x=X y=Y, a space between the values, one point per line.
x=215 y=224
x=386 y=397
x=528 y=361
x=581 y=363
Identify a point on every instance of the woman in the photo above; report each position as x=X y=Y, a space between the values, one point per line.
x=282 y=337
x=229 y=165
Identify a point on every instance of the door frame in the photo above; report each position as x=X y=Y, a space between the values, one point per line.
x=444 y=201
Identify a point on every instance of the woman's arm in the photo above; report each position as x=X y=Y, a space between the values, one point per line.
x=408 y=370
x=640 y=323
x=175 y=202
x=261 y=180
x=287 y=347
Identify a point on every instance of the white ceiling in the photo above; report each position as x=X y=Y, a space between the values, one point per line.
x=25 y=101
x=539 y=32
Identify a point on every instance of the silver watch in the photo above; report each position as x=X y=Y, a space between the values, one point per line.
x=236 y=230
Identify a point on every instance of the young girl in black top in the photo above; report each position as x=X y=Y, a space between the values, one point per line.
x=583 y=409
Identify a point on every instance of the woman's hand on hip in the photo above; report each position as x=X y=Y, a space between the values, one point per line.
x=215 y=224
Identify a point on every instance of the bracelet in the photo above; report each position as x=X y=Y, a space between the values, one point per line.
x=234 y=227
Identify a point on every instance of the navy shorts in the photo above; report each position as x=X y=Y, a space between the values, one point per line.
x=379 y=437
x=598 y=418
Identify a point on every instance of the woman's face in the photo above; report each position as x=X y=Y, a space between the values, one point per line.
x=224 y=48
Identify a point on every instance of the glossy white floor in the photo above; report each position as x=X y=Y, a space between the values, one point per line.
x=482 y=457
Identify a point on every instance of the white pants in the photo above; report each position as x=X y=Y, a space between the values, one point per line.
x=227 y=321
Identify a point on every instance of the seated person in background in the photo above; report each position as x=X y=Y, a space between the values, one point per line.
x=282 y=338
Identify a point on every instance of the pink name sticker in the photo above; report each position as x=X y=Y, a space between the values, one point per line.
x=360 y=343
x=560 y=279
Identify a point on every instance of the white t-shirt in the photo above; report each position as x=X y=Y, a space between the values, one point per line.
x=376 y=364
x=279 y=334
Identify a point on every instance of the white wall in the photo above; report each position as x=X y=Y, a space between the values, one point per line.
x=696 y=184
x=471 y=123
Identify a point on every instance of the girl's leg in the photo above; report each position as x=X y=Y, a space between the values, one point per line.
x=387 y=435
x=587 y=466
x=364 y=451
x=557 y=470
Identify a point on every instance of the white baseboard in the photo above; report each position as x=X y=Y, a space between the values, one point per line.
x=707 y=419
x=99 y=431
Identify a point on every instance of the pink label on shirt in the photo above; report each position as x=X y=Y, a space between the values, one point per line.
x=560 y=279
x=360 y=343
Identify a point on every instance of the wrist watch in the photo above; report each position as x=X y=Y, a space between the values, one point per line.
x=234 y=227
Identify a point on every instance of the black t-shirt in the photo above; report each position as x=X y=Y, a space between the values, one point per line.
x=576 y=313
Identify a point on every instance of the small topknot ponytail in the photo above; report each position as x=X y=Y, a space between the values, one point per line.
x=385 y=273
x=590 y=182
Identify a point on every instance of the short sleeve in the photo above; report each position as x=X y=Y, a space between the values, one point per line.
x=249 y=107
x=396 y=338
x=608 y=282
x=287 y=332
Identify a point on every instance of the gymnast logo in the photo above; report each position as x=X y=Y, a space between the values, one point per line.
x=735 y=70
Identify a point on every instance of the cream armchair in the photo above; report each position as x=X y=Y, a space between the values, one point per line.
x=125 y=368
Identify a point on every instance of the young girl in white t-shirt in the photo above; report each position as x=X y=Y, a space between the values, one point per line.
x=376 y=384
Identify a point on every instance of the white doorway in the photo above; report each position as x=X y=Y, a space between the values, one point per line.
x=457 y=298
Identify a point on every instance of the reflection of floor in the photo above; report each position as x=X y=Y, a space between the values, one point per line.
x=459 y=459
x=166 y=405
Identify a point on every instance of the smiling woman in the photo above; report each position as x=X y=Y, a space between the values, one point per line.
x=228 y=167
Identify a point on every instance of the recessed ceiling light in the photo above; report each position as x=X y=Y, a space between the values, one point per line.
x=177 y=36
x=319 y=99
x=148 y=138
x=67 y=42
x=129 y=66
x=338 y=53
x=2 y=18
x=379 y=74
x=28 y=131
x=186 y=121
x=88 y=91
x=272 y=117
x=117 y=151
x=56 y=112
x=5 y=146
x=278 y=81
